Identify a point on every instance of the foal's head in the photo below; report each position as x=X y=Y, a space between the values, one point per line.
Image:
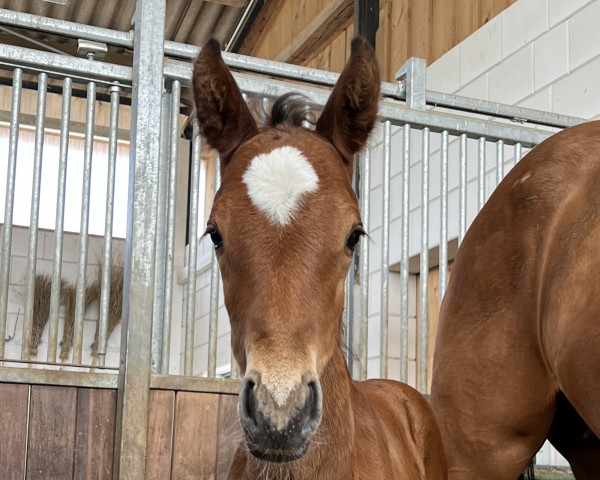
x=284 y=223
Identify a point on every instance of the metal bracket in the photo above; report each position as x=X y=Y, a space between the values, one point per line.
x=414 y=73
x=91 y=49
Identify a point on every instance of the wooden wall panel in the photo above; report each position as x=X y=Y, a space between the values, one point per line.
x=407 y=28
x=195 y=436
x=95 y=433
x=13 y=430
x=160 y=434
x=51 y=445
x=230 y=434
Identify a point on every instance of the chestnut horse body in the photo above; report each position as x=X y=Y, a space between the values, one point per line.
x=285 y=222
x=517 y=357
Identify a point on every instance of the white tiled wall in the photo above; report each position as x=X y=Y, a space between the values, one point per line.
x=45 y=251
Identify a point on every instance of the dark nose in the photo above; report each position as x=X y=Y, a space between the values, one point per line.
x=279 y=433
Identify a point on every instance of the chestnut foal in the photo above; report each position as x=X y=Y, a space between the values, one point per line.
x=285 y=223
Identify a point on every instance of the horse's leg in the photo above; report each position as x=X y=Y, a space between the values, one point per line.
x=494 y=409
x=573 y=438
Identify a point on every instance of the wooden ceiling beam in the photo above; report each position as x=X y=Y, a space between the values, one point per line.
x=329 y=23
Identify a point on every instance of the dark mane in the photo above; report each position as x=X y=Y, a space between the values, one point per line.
x=291 y=109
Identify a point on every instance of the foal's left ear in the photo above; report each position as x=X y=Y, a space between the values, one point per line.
x=225 y=119
x=351 y=111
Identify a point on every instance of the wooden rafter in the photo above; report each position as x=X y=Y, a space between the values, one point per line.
x=330 y=22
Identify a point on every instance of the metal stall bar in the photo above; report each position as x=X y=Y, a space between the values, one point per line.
x=518 y=152
x=161 y=234
x=385 y=246
x=34 y=217
x=443 y=217
x=9 y=201
x=404 y=253
x=424 y=266
x=84 y=223
x=213 y=321
x=171 y=205
x=499 y=161
x=138 y=286
x=60 y=217
x=108 y=226
x=462 y=186
x=365 y=191
x=190 y=315
x=480 y=173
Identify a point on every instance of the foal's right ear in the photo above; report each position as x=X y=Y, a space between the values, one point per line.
x=224 y=118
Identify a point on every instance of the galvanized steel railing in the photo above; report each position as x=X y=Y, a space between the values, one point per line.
x=407 y=112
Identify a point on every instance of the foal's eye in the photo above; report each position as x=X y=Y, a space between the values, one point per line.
x=215 y=236
x=354 y=237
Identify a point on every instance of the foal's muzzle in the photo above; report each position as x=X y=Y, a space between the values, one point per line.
x=279 y=433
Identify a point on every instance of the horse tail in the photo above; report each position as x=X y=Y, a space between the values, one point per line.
x=529 y=473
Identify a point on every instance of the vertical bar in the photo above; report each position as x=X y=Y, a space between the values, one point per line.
x=35 y=214
x=171 y=205
x=192 y=251
x=499 y=161
x=60 y=216
x=9 y=201
x=424 y=268
x=108 y=225
x=385 y=246
x=161 y=235
x=134 y=378
x=518 y=152
x=84 y=224
x=350 y=282
x=481 y=174
x=444 y=217
x=462 y=186
x=364 y=264
x=213 y=321
x=404 y=254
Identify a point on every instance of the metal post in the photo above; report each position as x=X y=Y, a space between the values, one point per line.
x=385 y=246
x=134 y=378
x=404 y=254
x=60 y=216
x=365 y=191
x=444 y=217
x=213 y=321
x=481 y=174
x=414 y=72
x=424 y=268
x=499 y=161
x=171 y=205
x=9 y=201
x=34 y=217
x=192 y=251
x=518 y=152
x=462 y=188
x=84 y=224
x=108 y=226
x=161 y=235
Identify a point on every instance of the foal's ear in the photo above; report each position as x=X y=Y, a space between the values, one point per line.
x=350 y=112
x=224 y=118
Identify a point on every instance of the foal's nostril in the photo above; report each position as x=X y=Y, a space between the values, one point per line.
x=315 y=401
x=248 y=399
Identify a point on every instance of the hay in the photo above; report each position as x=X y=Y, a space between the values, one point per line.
x=115 y=302
x=69 y=293
x=41 y=311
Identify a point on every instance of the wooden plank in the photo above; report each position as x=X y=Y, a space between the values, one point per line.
x=51 y=445
x=419 y=15
x=443 y=25
x=229 y=436
x=95 y=433
x=13 y=430
x=160 y=434
x=399 y=28
x=259 y=26
x=195 y=437
x=330 y=22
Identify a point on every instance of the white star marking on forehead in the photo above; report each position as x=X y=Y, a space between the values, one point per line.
x=278 y=180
